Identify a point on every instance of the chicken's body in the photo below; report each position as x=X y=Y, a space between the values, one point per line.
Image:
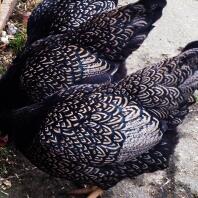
x=100 y=134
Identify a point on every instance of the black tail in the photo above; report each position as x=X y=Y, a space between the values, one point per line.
x=154 y=7
x=191 y=45
x=130 y=26
x=149 y=12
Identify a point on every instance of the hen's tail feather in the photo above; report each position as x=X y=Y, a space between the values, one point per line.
x=124 y=31
x=153 y=11
x=135 y=43
x=193 y=44
x=154 y=7
x=149 y=12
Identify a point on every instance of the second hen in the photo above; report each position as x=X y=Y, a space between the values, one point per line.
x=94 y=56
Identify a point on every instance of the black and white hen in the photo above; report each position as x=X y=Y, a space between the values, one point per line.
x=101 y=134
x=94 y=53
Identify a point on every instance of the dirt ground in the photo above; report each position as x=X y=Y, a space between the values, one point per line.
x=177 y=27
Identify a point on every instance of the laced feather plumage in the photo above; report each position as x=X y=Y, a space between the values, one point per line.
x=100 y=134
x=53 y=17
x=94 y=53
x=101 y=131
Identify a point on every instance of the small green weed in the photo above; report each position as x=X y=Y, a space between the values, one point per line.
x=3 y=156
x=2 y=69
x=196 y=96
x=4 y=152
x=18 y=42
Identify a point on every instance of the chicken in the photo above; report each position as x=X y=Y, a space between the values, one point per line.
x=62 y=60
x=94 y=56
x=101 y=134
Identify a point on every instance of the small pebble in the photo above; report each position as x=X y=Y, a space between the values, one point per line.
x=3 y=34
x=11 y=29
x=6 y=184
x=5 y=40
